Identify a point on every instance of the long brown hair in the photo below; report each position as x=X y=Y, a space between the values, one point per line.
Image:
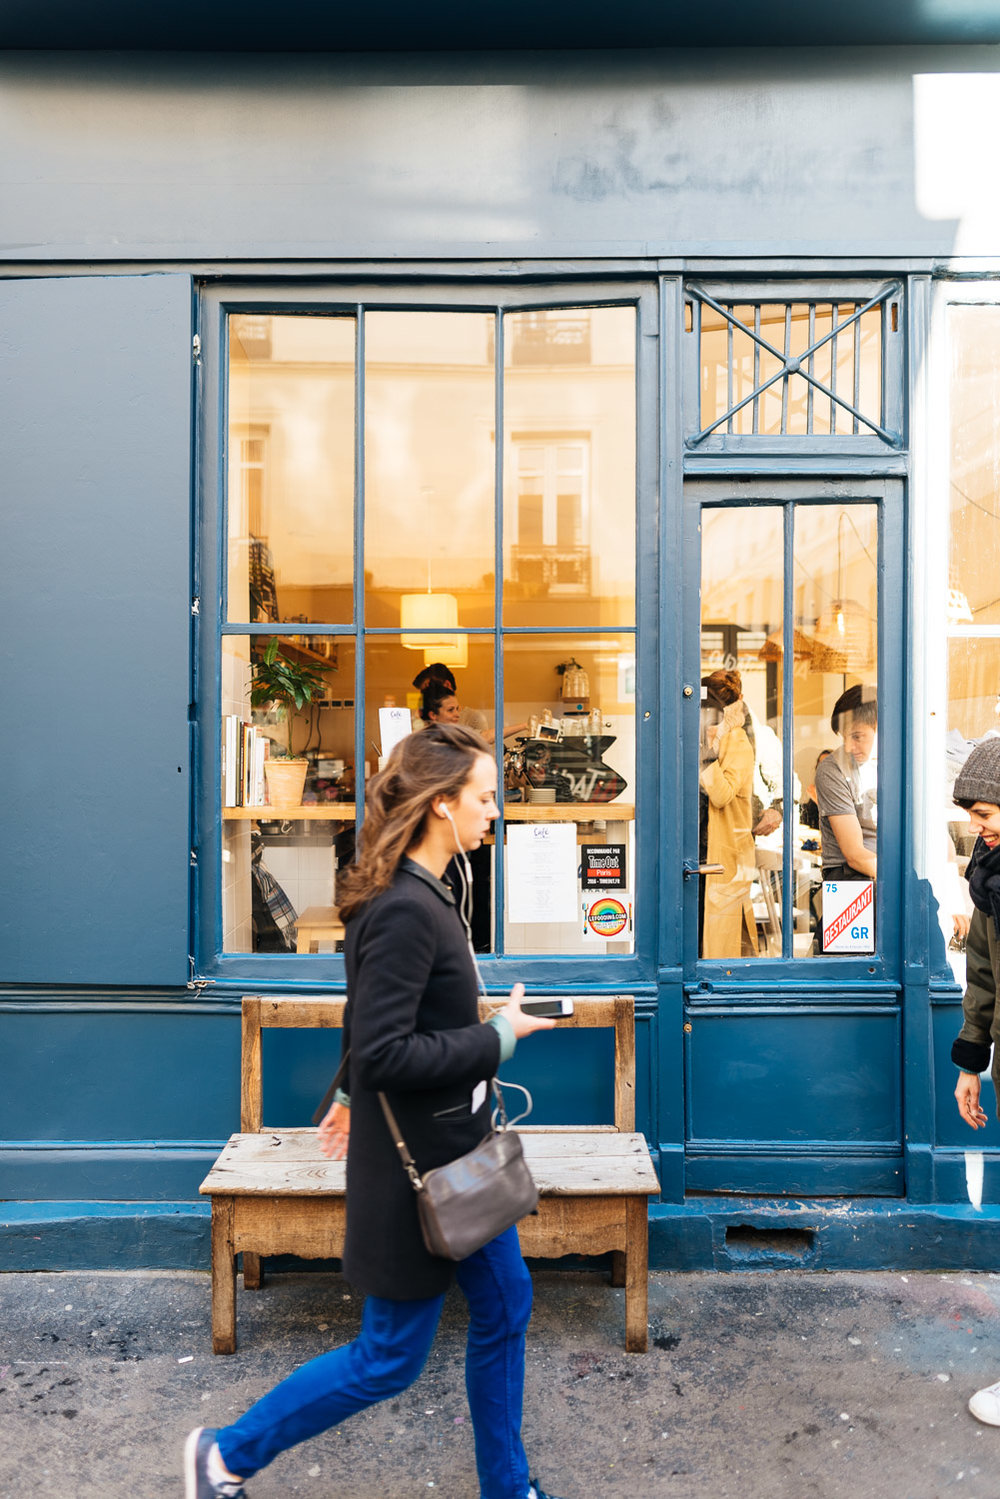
x=434 y=763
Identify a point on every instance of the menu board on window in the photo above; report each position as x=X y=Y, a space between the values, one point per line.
x=541 y=871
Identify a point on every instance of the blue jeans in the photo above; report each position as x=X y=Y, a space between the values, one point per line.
x=388 y=1355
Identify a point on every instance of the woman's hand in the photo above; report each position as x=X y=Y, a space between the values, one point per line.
x=967 y=1098
x=523 y=1024
x=770 y=821
x=334 y=1130
x=961 y=924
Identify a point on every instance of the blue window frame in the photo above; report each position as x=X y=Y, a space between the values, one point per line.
x=359 y=632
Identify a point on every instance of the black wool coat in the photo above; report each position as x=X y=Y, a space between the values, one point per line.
x=413 y=1029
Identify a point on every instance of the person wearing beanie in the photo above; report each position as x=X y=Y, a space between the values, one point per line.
x=846 y=788
x=977 y=789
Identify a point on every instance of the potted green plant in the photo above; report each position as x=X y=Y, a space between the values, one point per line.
x=290 y=685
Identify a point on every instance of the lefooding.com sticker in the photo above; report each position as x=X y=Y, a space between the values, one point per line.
x=606 y=917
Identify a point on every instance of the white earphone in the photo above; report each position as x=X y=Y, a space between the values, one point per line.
x=465 y=907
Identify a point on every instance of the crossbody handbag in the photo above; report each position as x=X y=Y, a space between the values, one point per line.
x=469 y=1201
x=465 y=1204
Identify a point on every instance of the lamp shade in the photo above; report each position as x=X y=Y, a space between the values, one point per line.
x=436 y=614
x=450 y=650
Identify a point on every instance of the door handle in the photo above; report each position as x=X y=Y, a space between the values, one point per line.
x=691 y=869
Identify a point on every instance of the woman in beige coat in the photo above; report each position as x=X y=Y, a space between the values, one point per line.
x=730 y=929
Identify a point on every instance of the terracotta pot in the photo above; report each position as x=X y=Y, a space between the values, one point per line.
x=285 y=782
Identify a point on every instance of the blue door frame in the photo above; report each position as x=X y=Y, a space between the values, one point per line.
x=793 y=1066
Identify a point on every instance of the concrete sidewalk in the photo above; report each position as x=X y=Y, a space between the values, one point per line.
x=786 y=1385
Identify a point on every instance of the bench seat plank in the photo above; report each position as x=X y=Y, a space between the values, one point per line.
x=288 y=1162
x=301 y=1144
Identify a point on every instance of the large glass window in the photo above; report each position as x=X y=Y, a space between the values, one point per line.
x=510 y=569
x=963 y=633
x=788 y=800
x=569 y=491
x=429 y=466
x=291 y=468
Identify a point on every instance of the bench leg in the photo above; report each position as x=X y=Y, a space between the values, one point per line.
x=253 y=1272
x=619 y=1264
x=223 y=1277
x=637 y=1275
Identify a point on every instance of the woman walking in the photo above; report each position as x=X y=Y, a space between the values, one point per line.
x=412 y=1030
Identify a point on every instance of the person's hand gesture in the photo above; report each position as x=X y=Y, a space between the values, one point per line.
x=523 y=1024
x=967 y=1098
x=334 y=1131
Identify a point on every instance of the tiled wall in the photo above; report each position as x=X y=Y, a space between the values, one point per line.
x=305 y=874
x=237 y=928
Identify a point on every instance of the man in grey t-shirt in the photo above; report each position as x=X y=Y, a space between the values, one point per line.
x=846 y=789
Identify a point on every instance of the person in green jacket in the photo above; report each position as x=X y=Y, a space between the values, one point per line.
x=977 y=789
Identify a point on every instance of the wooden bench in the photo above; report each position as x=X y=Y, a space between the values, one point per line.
x=274 y=1193
x=318 y=924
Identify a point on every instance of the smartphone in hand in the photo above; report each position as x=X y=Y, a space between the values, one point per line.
x=550 y=1008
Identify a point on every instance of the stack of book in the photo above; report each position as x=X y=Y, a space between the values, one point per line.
x=244 y=750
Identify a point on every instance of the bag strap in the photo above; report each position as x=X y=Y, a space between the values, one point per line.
x=331 y=1092
x=409 y=1164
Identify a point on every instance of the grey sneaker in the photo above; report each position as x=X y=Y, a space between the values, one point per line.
x=197 y=1484
x=536 y=1493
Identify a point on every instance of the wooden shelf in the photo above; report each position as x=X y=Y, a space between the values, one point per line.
x=568 y=812
x=513 y=812
x=289 y=647
x=309 y=812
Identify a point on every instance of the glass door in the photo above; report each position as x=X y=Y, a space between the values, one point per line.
x=792 y=864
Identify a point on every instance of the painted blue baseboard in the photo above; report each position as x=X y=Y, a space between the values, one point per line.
x=732 y=1234
x=165 y=1171
x=773 y=1234
x=105 y=1236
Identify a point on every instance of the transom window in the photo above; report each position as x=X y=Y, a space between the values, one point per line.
x=781 y=364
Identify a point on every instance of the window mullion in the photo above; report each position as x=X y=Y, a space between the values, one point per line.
x=498 y=673
x=810 y=392
x=787 y=744
x=786 y=377
x=857 y=374
x=756 y=369
x=361 y=652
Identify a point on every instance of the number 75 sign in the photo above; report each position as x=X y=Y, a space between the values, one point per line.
x=849 y=916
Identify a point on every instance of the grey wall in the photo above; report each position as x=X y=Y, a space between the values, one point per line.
x=95 y=625
x=759 y=153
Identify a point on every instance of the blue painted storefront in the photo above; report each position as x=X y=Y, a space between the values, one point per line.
x=143 y=197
